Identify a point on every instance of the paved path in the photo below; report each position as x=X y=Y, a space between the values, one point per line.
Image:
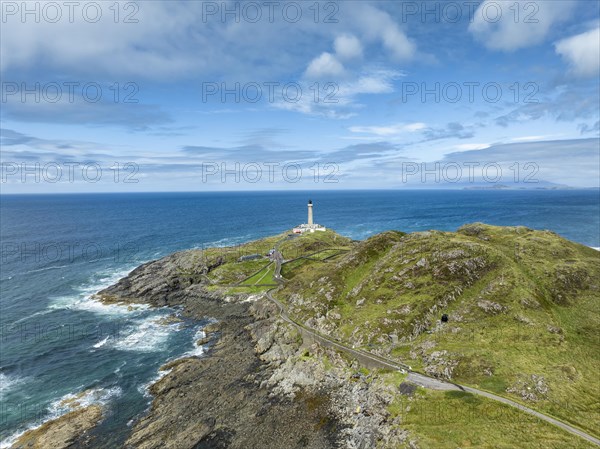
x=413 y=377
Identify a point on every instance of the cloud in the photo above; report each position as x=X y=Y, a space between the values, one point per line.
x=133 y=117
x=265 y=137
x=509 y=26
x=398 y=44
x=587 y=129
x=347 y=46
x=9 y=137
x=340 y=100
x=18 y=146
x=580 y=102
x=171 y=40
x=390 y=130
x=471 y=146
x=106 y=46
x=325 y=65
x=376 y=82
x=573 y=162
x=378 y=25
x=581 y=52
x=533 y=138
x=362 y=150
x=451 y=130
x=245 y=154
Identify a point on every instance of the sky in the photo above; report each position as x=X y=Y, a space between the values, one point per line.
x=203 y=96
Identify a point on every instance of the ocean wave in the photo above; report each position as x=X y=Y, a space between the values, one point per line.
x=66 y=404
x=37 y=270
x=8 y=383
x=84 y=298
x=89 y=304
x=72 y=401
x=145 y=335
x=144 y=389
x=101 y=343
x=28 y=317
x=198 y=349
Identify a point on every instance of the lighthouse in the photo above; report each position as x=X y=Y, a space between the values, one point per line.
x=310 y=225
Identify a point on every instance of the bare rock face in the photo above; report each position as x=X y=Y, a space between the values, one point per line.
x=162 y=282
x=530 y=303
x=66 y=431
x=357 y=403
x=491 y=306
x=440 y=364
x=221 y=400
x=530 y=388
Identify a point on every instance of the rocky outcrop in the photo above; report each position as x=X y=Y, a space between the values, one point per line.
x=530 y=388
x=163 y=282
x=490 y=306
x=71 y=429
x=255 y=387
x=358 y=403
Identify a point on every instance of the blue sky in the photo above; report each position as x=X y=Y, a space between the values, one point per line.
x=419 y=95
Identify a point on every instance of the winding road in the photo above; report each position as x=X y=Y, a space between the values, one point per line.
x=413 y=376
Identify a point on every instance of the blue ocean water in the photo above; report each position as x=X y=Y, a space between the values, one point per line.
x=57 y=250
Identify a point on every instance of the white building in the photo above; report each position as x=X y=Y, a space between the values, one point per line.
x=310 y=226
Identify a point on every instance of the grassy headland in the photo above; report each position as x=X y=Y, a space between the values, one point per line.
x=522 y=308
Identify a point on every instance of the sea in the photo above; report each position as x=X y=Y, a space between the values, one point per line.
x=59 y=346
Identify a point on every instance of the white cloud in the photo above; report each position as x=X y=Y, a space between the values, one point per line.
x=377 y=82
x=171 y=40
x=379 y=26
x=339 y=100
x=573 y=162
x=124 y=48
x=535 y=138
x=390 y=130
x=324 y=65
x=508 y=26
x=471 y=146
x=347 y=46
x=582 y=52
x=397 y=43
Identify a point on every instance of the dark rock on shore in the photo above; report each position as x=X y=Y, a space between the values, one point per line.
x=217 y=401
x=70 y=430
x=254 y=388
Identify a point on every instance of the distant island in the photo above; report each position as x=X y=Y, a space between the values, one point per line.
x=320 y=341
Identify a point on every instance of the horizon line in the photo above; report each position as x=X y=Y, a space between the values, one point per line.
x=304 y=190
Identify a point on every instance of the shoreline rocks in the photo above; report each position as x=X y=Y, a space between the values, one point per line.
x=253 y=388
x=70 y=429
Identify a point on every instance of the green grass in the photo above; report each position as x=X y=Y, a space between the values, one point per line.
x=309 y=243
x=447 y=420
x=234 y=272
x=546 y=288
x=292 y=269
x=327 y=253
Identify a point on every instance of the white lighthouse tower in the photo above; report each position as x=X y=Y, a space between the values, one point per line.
x=311 y=226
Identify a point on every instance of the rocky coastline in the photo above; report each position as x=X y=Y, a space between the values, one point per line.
x=259 y=384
